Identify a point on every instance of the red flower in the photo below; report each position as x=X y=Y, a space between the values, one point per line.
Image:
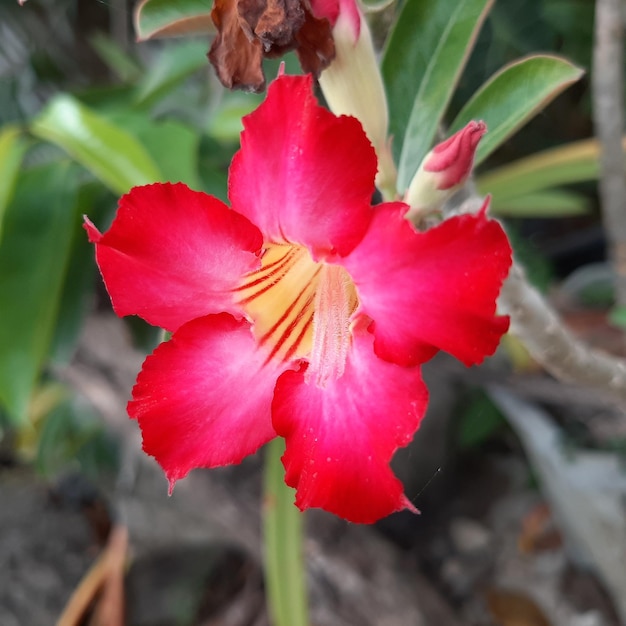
x=301 y=311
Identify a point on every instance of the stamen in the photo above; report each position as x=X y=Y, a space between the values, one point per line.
x=335 y=301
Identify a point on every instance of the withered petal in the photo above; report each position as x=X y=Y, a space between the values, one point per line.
x=237 y=58
x=273 y=22
x=315 y=44
x=249 y=30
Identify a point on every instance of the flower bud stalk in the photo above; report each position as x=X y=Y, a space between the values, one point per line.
x=352 y=85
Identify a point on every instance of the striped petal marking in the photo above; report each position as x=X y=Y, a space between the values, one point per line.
x=301 y=309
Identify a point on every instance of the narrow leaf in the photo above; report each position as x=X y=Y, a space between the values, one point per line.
x=175 y=147
x=33 y=261
x=169 y=18
x=573 y=163
x=422 y=63
x=225 y=124
x=173 y=66
x=122 y=64
x=76 y=298
x=548 y=203
x=12 y=148
x=112 y=155
x=513 y=96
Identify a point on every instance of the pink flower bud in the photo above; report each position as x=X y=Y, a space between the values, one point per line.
x=453 y=158
x=444 y=170
x=333 y=10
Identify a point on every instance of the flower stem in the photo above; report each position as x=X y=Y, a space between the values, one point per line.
x=282 y=528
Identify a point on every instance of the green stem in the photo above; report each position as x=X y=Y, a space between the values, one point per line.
x=283 y=531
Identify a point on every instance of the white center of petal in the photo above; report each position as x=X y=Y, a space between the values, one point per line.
x=301 y=309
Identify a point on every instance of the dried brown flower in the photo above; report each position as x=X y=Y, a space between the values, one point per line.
x=249 y=30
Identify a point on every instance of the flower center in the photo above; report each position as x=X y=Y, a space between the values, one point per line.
x=301 y=309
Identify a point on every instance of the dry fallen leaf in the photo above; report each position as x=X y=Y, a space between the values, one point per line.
x=539 y=532
x=512 y=608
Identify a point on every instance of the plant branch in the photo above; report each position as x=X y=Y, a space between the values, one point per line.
x=545 y=336
x=607 y=93
x=548 y=340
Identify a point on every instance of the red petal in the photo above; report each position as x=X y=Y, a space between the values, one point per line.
x=173 y=254
x=203 y=398
x=434 y=290
x=303 y=175
x=341 y=438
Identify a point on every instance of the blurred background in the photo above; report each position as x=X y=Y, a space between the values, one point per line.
x=519 y=477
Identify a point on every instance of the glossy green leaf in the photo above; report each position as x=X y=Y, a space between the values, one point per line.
x=547 y=203
x=33 y=261
x=213 y=165
x=111 y=154
x=76 y=299
x=167 y=18
x=422 y=63
x=124 y=66
x=573 y=163
x=513 y=96
x=173 y=66
x=12 y=148
x=225 y=124
x=175 y=148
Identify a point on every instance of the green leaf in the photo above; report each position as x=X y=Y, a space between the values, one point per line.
x=33 y=261
x=71 y=434
x=124 y=66
x=479 y=421
x=12 y=148
x=422 y=62
x=173 y=66
x=513 y=96
x=213 y=166
x=175 y=147
x=573 y=163
x=537 y=268
x=112 y=155
x=549 y=203
x=571 y=20
x=225 y=124
x=76 y=298
x=166 y=18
